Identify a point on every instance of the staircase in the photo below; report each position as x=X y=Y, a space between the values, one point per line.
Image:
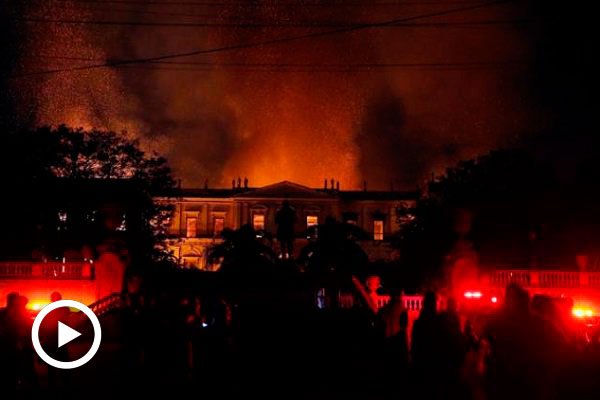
x=106 y=304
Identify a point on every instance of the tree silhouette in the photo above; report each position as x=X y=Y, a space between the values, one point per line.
x=335 y=249
x=509 y=193
x=33 y=160
x=241 y=253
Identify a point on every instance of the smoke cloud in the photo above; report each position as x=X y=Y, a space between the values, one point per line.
x=389 y=105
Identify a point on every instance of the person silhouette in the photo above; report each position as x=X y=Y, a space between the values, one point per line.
x=395 y=319
x=285 y=220
x=8 y=344
x=527 y=352
x=452 y=349
x=425 y=348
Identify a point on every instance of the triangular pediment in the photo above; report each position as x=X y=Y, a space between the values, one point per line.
x=285 y=189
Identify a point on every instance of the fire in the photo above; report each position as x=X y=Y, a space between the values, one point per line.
x=236 y=116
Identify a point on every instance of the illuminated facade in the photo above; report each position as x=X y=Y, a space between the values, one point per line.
x=201 y=214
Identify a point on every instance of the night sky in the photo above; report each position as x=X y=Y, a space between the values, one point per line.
x=386 y=91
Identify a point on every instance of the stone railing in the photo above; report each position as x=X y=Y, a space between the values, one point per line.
x=46 y=270
x=410 y=302
x=543 y=279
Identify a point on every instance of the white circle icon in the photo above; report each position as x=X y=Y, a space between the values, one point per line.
x=65 y=334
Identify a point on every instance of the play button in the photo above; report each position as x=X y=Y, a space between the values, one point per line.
x=66 y=334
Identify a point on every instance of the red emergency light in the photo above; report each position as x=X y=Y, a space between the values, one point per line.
x=473 y=294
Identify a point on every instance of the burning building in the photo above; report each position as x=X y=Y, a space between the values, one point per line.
x=200 y=215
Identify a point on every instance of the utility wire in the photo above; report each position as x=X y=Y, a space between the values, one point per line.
x=204 y=66
x=282 y=24
x=243 y=46
x=275 y=4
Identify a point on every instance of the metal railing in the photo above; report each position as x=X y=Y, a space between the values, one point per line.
x=46 y=270
x=106 y=304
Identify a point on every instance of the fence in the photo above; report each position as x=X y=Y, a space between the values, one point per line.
x=544 y=279
x=46 y=270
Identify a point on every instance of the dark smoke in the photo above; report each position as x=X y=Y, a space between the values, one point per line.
x=392 y=152
x=384 y=125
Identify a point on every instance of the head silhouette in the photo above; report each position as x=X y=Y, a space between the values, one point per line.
x=55 y=296
x=429 y=304
x=516 y=299
x=12 y=299
x=451 y=305
x=373 y=283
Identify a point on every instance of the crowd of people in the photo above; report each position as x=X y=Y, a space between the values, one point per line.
x=16 y=351
x=518 y=351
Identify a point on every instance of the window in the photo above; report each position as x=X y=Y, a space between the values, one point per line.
x=90 y=216
x=62 y=221
x=123 y=226
x=378 y=229
x=218 y=225
x=312 y=220
x=312 y=226
x=258 y=222
x=350 y=217
x=191 y=226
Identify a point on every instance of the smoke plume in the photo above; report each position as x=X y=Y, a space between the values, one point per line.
x=387 y=105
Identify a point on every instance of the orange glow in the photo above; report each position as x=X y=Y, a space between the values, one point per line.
x=582 y=312
x=36 y=305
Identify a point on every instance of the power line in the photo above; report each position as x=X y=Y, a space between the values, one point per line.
x=242 y=46
x=283 y=24
x=201 y=66
x=468 y=66
x=280 y=3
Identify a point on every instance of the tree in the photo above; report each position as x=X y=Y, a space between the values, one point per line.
x=335 y=249
x=505 y=197
x=242 y=253
x=33 y=159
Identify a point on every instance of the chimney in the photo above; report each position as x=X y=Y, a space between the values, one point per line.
x=233 y=183
x=331 y=183
x=239 y=182
x=245 y=182
x=365 y=186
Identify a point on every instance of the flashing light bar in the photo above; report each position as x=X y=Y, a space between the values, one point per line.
x=473 y=295
x=582 y=312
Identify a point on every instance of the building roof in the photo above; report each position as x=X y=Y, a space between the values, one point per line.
x=378 y=195
x=285 y=189
x=291 y=190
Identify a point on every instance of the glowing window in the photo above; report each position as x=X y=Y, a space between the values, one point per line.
x=62 y=216
x=312 y=220
x=378 y=230
x=62 y=221
x=123 y=226
x=218 y=225
x=191 y=227
x=258 y=222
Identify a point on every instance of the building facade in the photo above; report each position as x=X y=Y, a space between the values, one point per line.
x=200 y=215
